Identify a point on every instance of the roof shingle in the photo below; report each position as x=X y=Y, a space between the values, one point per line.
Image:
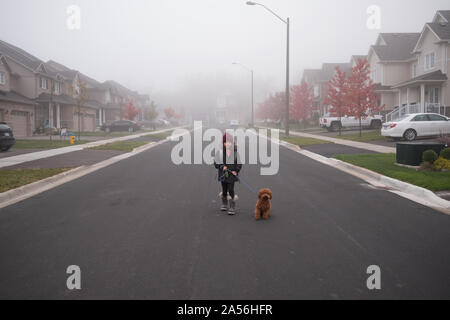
x=399 y=46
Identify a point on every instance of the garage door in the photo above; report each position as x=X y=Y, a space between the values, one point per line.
x=19 y=123
x=88 y=123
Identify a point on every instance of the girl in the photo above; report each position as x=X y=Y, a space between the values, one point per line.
x=228 y=164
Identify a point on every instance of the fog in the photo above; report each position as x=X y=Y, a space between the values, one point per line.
x=181 y=52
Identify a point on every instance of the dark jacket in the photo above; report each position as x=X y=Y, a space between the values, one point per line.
x=235 y=164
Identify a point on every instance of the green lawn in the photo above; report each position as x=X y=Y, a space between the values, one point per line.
x=303 y=142
x=126 y=146
x=366 y=136
x=104 y=134
x=294 y=127
x=11 y=179
x=385 y=165
x=43 y=144
x=162 y=135
x=109 y=134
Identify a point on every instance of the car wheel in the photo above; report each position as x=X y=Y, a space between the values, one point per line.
x=4 y=149
x=108 y=130
x=376 y=124
x=410 y=135
x=130 y=129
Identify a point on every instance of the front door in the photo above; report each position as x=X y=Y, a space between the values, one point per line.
x=433 y=99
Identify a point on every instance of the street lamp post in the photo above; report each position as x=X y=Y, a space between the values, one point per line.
x=287 y=22
x=252 y=122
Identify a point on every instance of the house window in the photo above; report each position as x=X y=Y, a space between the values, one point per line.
x=316 y=91
x=373 y=75
x=2 y=78
x=414 y=70
x=57 y=88
x=429 y=61
x=434 y=95
x=44 y=83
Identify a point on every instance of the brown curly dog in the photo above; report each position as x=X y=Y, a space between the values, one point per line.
x=262 y=209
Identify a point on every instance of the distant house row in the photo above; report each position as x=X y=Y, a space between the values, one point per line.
x=37 y=95
x=410 y=70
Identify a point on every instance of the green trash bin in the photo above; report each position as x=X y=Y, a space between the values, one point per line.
x=410 y=153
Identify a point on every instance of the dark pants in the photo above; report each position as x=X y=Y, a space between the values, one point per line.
x=227 y=188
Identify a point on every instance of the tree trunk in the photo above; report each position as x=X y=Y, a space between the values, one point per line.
x=340 y=122
x=360 y=127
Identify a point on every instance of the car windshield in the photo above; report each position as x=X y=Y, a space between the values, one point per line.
x=4 y=127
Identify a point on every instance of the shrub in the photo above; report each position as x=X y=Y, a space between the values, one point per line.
x=445 y=139
x=425 y=166
x=441 y=164
x=430 y=156
x=445 y=153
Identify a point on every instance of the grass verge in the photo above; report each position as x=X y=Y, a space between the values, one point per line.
x=303 y=142
x=161 y=135
x=366 y=136
x=110 y=134
x=126 y=146
x=43 y=144
x=385 y=165
x=11 y=179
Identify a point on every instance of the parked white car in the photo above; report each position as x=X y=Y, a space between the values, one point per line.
x=333 y=123
x=416 y=125
x=234 y=123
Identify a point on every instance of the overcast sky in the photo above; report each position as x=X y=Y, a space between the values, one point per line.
x=154 y=45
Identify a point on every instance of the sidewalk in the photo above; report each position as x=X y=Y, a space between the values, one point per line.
x=16 y=160
x=350 y=143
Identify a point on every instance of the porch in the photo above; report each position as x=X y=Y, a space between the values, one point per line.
x=423 y=94
x=429 y=107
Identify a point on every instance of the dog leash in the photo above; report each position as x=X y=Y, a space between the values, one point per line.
x=240 y=180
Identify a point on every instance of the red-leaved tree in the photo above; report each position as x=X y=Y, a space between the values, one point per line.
x=362 y=99
x=272 y=108
x=301 y=102
x=131 y=111
x=337 y=95
x=169 y=112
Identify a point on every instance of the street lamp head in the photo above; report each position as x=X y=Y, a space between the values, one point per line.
x=251 y=3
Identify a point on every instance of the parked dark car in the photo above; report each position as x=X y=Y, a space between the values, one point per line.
x=7 y=139
x=121 y=125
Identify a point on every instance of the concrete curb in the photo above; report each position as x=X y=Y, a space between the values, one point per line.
x=350 y=143
x=19 y=194
x=10 y=161
x=406 y=190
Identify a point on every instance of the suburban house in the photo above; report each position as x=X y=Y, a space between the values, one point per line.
x=94 y=105
x=38 y=96
x=355 y=58
x=15 y=109
x=318 y=79
x=390 y=62
x=26 y=78
x=410 y=70
x=311 y=76
x=427 y=88
x=120 y=97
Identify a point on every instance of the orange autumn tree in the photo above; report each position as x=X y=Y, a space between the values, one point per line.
x=131 y=112
x=301 y=102
x=169 y=112
x=272 y=108
x=337 y=95
x=362 y=99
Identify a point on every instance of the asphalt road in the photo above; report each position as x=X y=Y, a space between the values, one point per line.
x=144 y=228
